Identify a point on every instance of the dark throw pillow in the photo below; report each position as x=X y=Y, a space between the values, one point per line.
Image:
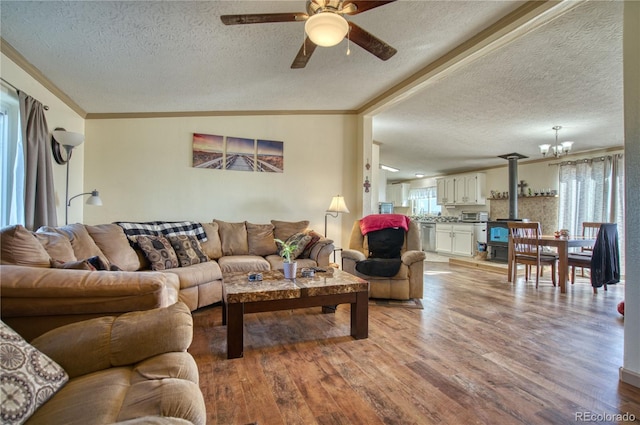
x=158 y=251
x=188 y=250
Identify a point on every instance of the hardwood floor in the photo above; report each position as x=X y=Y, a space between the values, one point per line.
x=482 y=351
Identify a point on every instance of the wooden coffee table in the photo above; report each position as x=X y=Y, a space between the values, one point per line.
x=275 y=292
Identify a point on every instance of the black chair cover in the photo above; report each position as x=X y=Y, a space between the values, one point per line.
x=384 y=253
x=605 y=260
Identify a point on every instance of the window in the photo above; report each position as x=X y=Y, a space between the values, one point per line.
x=593 y=190
x=424 y=201
x=11 y=152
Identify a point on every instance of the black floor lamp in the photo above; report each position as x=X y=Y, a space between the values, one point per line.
x=69 y=140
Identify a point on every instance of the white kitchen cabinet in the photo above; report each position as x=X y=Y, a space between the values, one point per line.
x=455 y=239
x=443 y=237
x=398 y=194
x=462 y=189
x=445 y=190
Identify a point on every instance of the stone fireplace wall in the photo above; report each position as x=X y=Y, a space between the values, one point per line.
x=543 y=209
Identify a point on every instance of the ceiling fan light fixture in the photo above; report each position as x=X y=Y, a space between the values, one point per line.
x=326 y=28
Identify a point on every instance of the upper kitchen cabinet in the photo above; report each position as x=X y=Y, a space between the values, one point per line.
x=445 y=190
x=462 y=189
x=398 y=194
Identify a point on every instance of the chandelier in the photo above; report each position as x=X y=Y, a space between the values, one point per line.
x=558 y=148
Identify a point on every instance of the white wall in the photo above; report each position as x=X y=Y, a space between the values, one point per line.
x=58 y=115
x=143 y=170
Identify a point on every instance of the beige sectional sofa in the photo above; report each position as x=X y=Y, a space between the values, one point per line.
x=39 y=292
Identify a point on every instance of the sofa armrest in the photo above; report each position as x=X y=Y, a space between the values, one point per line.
x=98 y=344
x=350 y=258
x=321 y=252
x=352 y=254
x=35 y=300
x=410 y=257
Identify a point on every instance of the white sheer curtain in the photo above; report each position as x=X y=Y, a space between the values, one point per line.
x=12 y=160
x=592 y=190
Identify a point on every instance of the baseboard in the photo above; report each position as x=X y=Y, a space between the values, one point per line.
x=630 y=377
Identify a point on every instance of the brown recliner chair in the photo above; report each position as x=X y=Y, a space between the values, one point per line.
x=407 y=283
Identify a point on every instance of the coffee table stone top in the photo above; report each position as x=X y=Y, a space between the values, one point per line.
x=238 y=289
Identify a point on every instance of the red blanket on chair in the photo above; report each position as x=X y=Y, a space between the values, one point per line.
x=375 y=222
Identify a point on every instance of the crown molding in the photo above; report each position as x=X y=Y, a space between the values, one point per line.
x=37 y=75
x=186 y=114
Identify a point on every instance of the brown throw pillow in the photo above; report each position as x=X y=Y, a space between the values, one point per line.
x=285 y=229
x=233 y=237
x=57 y=246
x=82 y=243
x=261 y=239
x=20 y=247
x=188 y=250
x=212 y=246
x=158 y=251
x=113 y=242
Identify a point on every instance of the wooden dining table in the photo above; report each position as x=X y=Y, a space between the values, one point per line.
x=562 y=244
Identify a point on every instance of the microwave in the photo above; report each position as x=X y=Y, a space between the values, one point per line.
x=474 y=216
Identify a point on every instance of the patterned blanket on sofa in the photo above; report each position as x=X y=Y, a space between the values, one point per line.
x=165 y=228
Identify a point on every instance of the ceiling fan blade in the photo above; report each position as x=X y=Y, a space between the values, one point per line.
x=301 y=58
x=370 y=43
x=362 y=6
x=261 y=18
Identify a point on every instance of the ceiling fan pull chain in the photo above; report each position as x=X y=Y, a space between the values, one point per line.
x=349 y=42
x=304 y=43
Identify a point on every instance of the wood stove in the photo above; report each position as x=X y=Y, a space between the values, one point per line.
x=498 y=231
x=498 y=241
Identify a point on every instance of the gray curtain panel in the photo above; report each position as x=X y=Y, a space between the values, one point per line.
x=39 y=201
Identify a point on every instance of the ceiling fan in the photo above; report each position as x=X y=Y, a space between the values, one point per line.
x=325 y=25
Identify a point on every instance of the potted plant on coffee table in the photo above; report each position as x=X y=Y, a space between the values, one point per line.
x=289 y=265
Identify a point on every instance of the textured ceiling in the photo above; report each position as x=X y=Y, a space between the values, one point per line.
x=567 y=72
x=161 y=56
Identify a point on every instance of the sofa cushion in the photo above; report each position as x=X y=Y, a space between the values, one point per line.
x=19 y=246
x=197 y=274
x=158 y=251
x=260 y=239
x=243 y=263
x=57 y=246
x=112 y=241
x=284 y=229
x=212 y=246
x=29 y=376
x=82 y=243
x=188 y=250
x=233 y=237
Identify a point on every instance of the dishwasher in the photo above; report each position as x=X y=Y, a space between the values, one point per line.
x=428 y=234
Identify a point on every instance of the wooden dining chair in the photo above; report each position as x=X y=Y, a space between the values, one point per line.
x=582 y=259
x=527 y=251
x=606 y=267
